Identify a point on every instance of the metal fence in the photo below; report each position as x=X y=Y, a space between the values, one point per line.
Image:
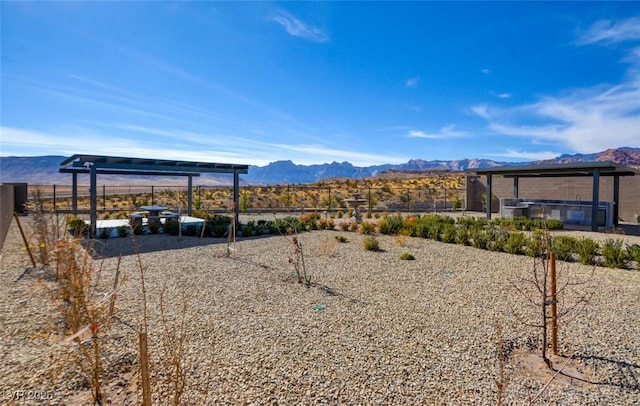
x=278 y=198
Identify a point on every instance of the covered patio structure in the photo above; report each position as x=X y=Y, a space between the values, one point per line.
x=595 y=170
x=111 y=165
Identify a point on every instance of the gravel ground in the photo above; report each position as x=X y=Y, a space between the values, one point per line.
x=371 y=329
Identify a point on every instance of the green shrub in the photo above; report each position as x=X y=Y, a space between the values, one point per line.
x=614 y=254
x=496 y=239
x=634 y=253
x=587 y=250
x=341 y=238
x=535 y=244
x=448 y=233
x=462 y=236
x=367 y=228
x=516 y=243
x=77 y=226
x=479 y=238
x=405 y=256
x=371 y=243
x=390 y=225
x=563 y=247
x=434 y=230
x=344 y=226
x=554 y=224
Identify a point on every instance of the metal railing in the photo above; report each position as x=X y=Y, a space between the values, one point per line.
x=278 y=198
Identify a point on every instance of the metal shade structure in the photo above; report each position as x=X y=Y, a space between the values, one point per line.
x=111 y=165
x=592 y=169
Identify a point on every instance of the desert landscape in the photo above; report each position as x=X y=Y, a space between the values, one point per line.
x=229 y=323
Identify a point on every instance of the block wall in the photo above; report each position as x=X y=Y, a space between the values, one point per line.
x=570 y=188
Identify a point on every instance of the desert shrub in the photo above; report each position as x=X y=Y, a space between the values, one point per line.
x=434 y=230
x=614 y=254
x=326 y=224
x=523 y=223
x=123 y=231
x=344 y=226
x=554 y=224
x=405 y=256
x=472 y=222
x=341 y=238
x=535 y=244
x=587 y=249
x=246 y=229
x=463 y=237
x=353 y=226
x=634 y=253
x=371 y=243
x=390 y=224
x=448 y=233
x=286 y=225
x=516 y=243
x=77 y=226
x=563 y=247
x=367 y=228
x=217 y=226
x=309 y=217
x=479 y=238
x=496 y=238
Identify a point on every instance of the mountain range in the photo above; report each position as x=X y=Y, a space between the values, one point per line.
x=43 y=170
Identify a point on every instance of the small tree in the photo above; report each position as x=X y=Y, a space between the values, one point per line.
x=545 y=293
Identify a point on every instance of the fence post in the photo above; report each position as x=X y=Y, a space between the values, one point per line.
x=104 y=197
x=55 y=206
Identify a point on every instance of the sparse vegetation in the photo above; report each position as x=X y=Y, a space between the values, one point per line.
x=405 y=256
x=371 y=243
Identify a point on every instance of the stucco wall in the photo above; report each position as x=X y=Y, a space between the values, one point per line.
x=6 y=210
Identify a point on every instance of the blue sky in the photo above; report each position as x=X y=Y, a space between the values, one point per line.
x=314 y=82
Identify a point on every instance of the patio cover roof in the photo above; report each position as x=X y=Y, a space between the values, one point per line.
x=145 y=166
x=593 y=169
x=605 y=168
x=113 y=165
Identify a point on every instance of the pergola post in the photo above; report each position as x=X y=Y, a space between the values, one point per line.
x=189 y=194
x=515 y=186
x=616 y=199
x=236 y=196
x=489 y=195
x=74 y=193
x=595 y=202
x=93 y=198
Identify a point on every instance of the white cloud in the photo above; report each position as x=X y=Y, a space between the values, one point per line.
x=444 y=133
x=611 y=32
x=529 y=156
x=297 y=28
x=412 y=82
x=481 y=110
x=584 y=120
x=199 y=147
x=502 y=95
x=485 y=71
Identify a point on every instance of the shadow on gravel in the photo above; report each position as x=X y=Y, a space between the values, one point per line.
x=627 y=375
x=113 y=247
